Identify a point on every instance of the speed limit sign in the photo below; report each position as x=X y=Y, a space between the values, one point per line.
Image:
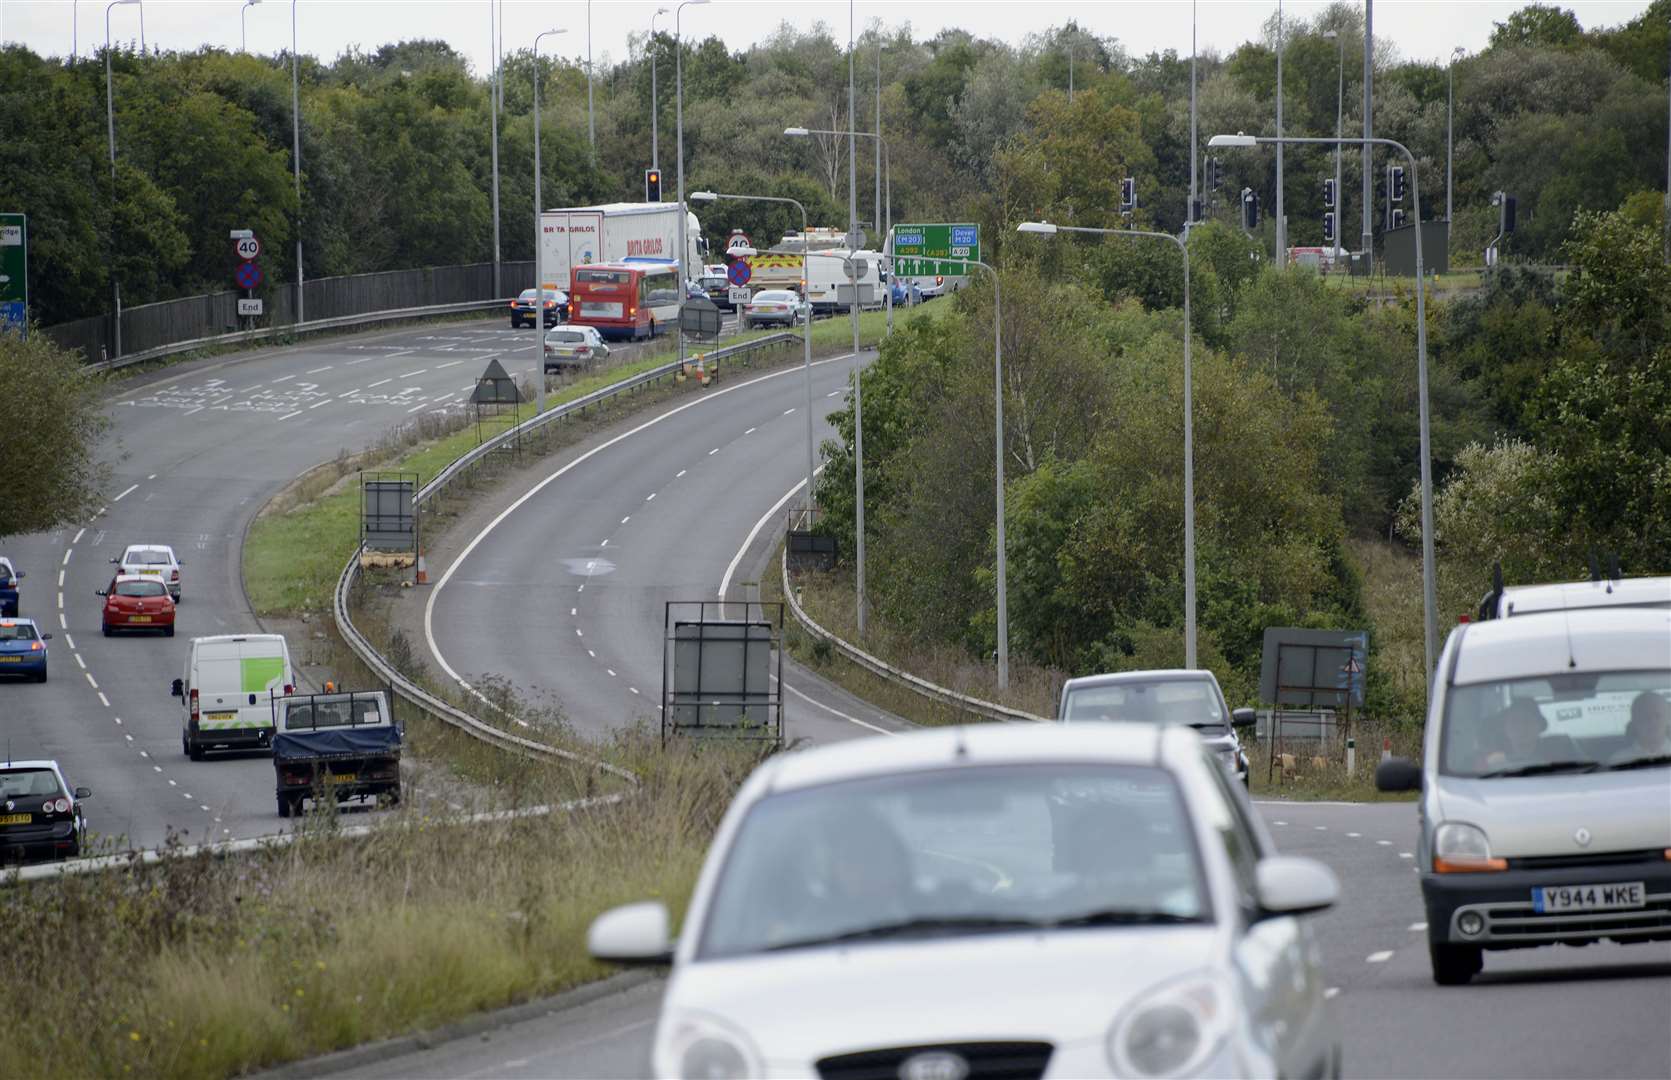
x=247 y=247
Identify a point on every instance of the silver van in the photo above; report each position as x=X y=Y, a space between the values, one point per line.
x=1171 y=696
x=1545 y=811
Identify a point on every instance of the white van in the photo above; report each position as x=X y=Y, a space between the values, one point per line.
x=827 y=280
x=224 y=695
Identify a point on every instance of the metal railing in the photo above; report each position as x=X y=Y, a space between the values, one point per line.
x=422 y=698
x=940 y=695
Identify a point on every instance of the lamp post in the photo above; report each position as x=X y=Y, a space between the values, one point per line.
x=493 y=123
x=591 y=128
x=296 y=152
x=243 y=24
x=1430 y=626
x=1368 y=238
x=539 y=239
x=886 y=221
x=679 y=123
x=1193 y=138
x=1450 y=101
x=655 y=109
x=75 y=29
x=1339 y=131
x=1281 y=213
x=110 y=125
x=806 y=336
x=1045 y=228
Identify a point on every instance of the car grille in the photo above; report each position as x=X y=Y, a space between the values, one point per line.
x=1509 y=922
x=985 y=1061
x=1608 y=858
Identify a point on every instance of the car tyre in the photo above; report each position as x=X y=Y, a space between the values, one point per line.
x=168 y=631
x=283 y=806
x=42 y=676
x=194 y=751
x=1455 y=965
x=106 y=628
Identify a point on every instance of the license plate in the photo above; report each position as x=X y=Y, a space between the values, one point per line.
x=1557 y=898
x=344 y=778
x=150 y=573
x=11 y=659
x=139 y=618
x=220 y=716
x=16 y=819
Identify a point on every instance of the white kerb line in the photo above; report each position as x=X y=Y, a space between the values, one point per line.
x=725 y=581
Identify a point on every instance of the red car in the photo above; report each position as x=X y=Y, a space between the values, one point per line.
x=137 y=603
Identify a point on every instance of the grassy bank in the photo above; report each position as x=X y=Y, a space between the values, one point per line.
x=207 y=967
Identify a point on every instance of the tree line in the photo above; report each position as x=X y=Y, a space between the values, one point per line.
x=395 y=143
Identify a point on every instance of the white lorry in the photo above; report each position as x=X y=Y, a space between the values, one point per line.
x=616 y=232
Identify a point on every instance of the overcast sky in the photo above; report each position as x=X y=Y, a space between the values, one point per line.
x=1421 y=29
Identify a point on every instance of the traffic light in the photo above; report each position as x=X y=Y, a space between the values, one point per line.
x=1328 y=194
x=1397 y=218
x=652 y=185
x=1328 y=227
x=1395 y=183
x=1250 y=209
x=1195 y=210
x=1508 y=213
x=1128 y=195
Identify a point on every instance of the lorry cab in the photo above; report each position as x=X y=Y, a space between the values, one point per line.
x=225 y=689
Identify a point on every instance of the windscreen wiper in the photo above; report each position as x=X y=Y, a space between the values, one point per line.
x=1641 y=763
x=1119 y=917
x=908 y=927
x=1543 y=767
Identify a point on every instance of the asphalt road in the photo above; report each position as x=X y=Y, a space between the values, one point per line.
x=1599 y=1011
x=196 y=451
x=565 y=594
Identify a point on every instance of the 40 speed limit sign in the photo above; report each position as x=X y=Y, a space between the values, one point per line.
x=246 y=247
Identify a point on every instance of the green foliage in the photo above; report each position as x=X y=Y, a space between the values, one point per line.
x=50 y=438
x=1539 y=26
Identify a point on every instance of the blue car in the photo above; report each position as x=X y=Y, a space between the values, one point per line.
x=22 y=649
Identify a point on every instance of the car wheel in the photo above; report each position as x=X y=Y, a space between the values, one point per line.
x=106 y=628
x=194 y=751
x=1455 y=965
x=42 y=676
x=168 y=631
x=283 y=806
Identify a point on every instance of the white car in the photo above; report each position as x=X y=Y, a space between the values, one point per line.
x=153 y=561
x=1079 y=900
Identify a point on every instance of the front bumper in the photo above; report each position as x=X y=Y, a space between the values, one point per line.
x=1503 y=900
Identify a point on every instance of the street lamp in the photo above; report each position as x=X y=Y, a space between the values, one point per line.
x=296 y=152
x=493 y=124
x=806 y=336
x=243 y=24
x=1045 y=228
x=1430 y=629
x=1450 y=100
x=110 y=124
x=655 y=109
x=591 y=128
x=1339 y=131
x=886 y=220
x=539 y=239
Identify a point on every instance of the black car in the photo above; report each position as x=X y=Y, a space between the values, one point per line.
x=522 y=308
x=40 y=815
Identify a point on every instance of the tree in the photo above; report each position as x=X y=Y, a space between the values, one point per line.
x=1539 y=26
x=49 y=442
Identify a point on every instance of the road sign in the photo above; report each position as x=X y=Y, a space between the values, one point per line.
x=739 y=239
x=249 y=307
x=246 y=247
x=922 y=250
x=242 y=234
x=738 y=295
x=14 y=271
x=248 y=275
x=739 y=273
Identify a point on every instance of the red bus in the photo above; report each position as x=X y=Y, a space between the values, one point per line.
x=625 y=299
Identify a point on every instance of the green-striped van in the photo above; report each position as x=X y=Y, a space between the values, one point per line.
x=225 y=694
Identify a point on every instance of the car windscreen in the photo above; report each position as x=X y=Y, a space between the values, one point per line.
x=17 y=632
x=528 y=294
x=18 y=783
x=972 y=849
x=146 y=558
x=1571 y=721
x=566 y=337
x=1192 y=702
x=139 y=588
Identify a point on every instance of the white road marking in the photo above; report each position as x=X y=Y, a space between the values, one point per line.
x=1378 y=957
x=676 y=476
x=288 y=415
x=634 y=689
x=319 y=404
x=789 y=410
x=317 y=370
x=832 y=711
x=611 y=672
x=714 y=451
x=71 y=551
x=650 y=497
x=350 y=393
x=287 y=378
x=78 y=533
x=832 y=393
x=63 y=624
x=1355 y=835
x=1406 y=855
x=626 y=519
x=1384 y=843
x=409 y=374
x=118 y=719
x=80 y=661
x=185 y=795
x=188 y=412
x=604 y=544
x=592 y=654
x=1331 y=992
x=573 y=611
x=1417 y=927
x=475 y=541
x=731 y=568
x=90 y=680
x=448 y=364
x=104 y=700
x=380 y=382
x=1321 y=828
x=60 y=579
x=153 y=476
x=60 y=601
x=577 y=632
x=415 y=408
x=203 y=808
x=751 y=431
x=1279 y=823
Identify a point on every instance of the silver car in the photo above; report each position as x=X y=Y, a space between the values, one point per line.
x=1083 y=900
x=574 y=347
x=779 y=307
x=1172 y=696
x=1545 y=810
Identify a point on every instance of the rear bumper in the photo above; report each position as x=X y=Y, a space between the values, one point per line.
x=1503 y=901
x=57 y=841
x=27 y=666
x=246 y=738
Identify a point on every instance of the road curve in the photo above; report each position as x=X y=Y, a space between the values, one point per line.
x=196 y=450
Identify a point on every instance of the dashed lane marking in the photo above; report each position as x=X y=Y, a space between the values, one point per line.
x=1417 y=927
x=90 y=680
x=317 y=370
x=71 y=551
x=69 y=640
x=80 y=661
x=1331 y=992
x=409 y=374
x=611 y=672
x=448 y=364
x=104 y=700
x=676 y=476
x=650 y=497
x=288 y=415
x=1355 y=835
x=320 y=404
x=1378 y=957
x=77 y=539
x=379 y=382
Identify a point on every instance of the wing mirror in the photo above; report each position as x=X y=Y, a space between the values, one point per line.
x=113 y=559
x=1243 y=717
x=177 y=688
x=1293 y=885
x=46 y=637
x=20 y=575
x=636 y=934
x=83 y=793
x=1398 y=774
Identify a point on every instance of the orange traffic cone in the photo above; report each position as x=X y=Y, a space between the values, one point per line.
x=423 y=572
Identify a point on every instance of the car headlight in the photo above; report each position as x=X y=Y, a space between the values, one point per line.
x=701 y=1047
x=1173 y=1031
x=1462 y=848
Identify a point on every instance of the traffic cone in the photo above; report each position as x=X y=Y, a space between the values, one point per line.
x=1386 y=748
x=423 y=572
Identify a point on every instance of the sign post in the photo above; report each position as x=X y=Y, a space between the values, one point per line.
x=924 y=250
x=247 y=246
x=14 y=272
